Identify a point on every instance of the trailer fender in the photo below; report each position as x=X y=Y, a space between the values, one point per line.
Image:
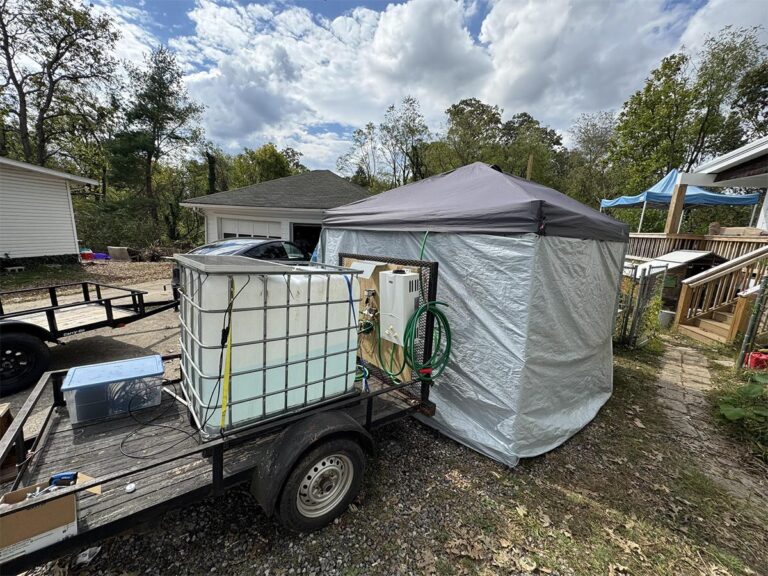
x=282 y=454
x=7 y=326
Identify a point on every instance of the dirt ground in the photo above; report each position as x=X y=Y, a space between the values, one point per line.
x=630 y=494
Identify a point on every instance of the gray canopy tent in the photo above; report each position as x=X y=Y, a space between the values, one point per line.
x=531 y=277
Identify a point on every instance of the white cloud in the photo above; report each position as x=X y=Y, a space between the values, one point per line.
x=136 y=40
x=282 y=73
x=717 y=13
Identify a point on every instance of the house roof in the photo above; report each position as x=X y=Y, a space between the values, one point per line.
x=318 y=189
x=47 y=171
x=736 y=157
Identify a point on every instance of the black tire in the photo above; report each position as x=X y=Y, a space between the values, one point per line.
x=23 y=359
x=321 y=462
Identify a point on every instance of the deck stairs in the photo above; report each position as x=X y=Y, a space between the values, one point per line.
x=713 y=329
x=714 y=306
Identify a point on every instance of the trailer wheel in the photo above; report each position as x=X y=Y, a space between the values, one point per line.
x=321 y=485
x=23 y=359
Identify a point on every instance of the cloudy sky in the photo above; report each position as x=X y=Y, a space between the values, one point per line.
x=305 y=73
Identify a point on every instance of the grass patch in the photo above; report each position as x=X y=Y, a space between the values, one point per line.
x=741 y=403
x=42 y=275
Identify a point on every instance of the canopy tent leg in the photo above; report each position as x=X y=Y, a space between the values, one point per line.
x=642 y=215
x=680 y=223
x=752 y=218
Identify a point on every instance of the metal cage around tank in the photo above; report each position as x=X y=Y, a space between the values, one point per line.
x=192 y=347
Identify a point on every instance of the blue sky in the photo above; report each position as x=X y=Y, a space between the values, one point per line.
x=306 y=73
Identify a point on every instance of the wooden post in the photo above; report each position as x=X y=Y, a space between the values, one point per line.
x=741 y=310
x=529 y=171
x=683 y=303
x=675 y=213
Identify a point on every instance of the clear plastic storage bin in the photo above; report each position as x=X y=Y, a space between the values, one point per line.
x=101 y=390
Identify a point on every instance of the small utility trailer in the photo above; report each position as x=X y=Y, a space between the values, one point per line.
x=24 y=355
x=305 y=463
x=305 y=467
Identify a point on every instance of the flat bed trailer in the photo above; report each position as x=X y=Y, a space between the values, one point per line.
x=176 y=468
x=24 y=331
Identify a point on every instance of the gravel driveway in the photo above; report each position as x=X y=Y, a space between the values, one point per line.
x=624 y=496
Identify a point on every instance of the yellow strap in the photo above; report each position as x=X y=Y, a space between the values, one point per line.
x=227 y=359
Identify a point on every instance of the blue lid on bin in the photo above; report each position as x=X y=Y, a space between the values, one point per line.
x=108 y=372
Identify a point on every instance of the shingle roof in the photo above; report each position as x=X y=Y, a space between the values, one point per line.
x=320 y=189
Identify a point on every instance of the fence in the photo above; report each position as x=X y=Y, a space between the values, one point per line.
x=639 y=304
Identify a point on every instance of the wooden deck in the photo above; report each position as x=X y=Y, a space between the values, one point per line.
x=94 y=449
x=74 y=317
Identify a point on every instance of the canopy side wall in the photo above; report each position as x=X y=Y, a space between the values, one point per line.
x=486 y=281
x=568 y=370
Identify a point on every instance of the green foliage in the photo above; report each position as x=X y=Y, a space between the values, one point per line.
x=743 y=406
x=57 y=59
x=751 y=101
x=264 y=163
x=684 y=113
x=121 y=220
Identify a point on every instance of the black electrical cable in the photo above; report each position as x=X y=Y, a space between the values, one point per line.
x=152 y=422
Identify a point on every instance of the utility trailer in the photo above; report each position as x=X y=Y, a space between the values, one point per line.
x=304 y=465
x=175 y=469
x=24 y=355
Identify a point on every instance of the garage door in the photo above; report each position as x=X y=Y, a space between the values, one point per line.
x=231 y=228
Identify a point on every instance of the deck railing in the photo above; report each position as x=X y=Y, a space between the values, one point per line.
x=650 y=246
x=719 y=287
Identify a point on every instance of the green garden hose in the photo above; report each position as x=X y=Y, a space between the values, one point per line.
x=436 y=363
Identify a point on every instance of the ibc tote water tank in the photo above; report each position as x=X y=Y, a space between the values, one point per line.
x=294 y=336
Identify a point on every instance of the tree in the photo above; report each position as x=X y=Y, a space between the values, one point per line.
x=751 y=102
x=364 y=154
x=161 y=119
x=474 y=130
x=254 y=166
x=294 y=160
x=56 y=55
x=685 y=113
x=589 y=178
x=401 y=134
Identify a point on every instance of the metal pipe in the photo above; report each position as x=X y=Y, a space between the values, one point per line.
x=642 y=215
x=753 y=322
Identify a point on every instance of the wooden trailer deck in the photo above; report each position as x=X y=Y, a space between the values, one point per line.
x=99 y=449
x=74 y=317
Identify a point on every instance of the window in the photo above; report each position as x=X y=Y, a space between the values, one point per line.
x=293 y=252
x=233 y=228
x=269 y=251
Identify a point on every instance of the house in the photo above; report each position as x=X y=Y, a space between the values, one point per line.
x=36 y=215
x=289 y=208
x=714 y=305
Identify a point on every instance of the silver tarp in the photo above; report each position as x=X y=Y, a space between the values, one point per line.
x=532 y=318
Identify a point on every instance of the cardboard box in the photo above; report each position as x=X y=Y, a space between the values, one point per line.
x=37 y=526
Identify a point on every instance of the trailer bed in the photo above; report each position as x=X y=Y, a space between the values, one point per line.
x=74 y=317
x=166 y=462
x=94 y=449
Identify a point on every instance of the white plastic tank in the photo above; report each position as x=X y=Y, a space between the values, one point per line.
x=294 y=336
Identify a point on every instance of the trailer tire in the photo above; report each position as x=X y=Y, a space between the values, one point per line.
x=23 y=359
x=321 y=485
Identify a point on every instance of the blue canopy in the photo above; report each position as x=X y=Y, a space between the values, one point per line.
x=660 y=195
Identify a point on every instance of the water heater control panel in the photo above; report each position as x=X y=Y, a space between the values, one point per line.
x=398 y=300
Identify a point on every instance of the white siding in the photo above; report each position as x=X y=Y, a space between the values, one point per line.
x=35 y=215
x=218 y=221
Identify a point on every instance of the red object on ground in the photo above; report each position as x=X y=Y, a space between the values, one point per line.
x=756 y=360
x=86 y=255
